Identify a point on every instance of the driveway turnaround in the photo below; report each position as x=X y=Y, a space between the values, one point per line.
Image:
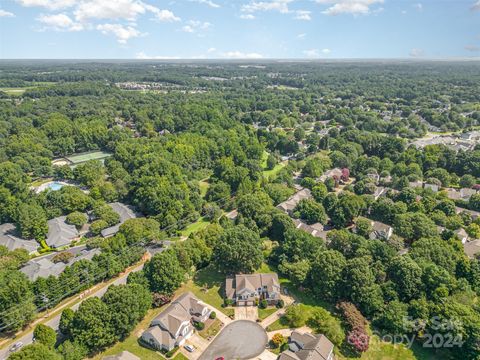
x=241 y=339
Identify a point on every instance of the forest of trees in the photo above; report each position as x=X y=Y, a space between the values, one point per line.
x=230 y=133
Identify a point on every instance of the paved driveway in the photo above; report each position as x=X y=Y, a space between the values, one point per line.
x=246 y=313
x=241 y=339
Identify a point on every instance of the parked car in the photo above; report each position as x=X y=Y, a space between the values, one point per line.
x=189 y=348
x=16 y=346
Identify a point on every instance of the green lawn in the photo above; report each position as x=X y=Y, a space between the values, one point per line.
x=211 y=330
x=207 y=285
x=204 y=185
x=131 y=344
x=279 y=324
x=196 y=226
x=271 y=173
x=264 y=313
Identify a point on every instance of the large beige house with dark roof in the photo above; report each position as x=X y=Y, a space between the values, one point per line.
x=174 y=325
x=308 y=347
x=247 y=289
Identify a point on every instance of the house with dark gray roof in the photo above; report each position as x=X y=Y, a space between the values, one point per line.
x=125 y=212
x=9 y=238
x=289 y=205
x=247 y=289
x=308 y=347
x=60 y=233
x=44 y=266
x=174 y=324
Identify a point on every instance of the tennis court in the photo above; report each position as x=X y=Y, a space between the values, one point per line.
x=76 y=159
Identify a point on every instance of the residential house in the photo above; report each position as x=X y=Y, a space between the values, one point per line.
x=433 y=187
x=60 y=233
x=174 y=325
x=308 y=347
x=334 y=173
x=10 y=239
x=381 y=231
x=289 y=205
x=472 y=248
x=316 y=229
x=461 y=234
x=474 y=214
x=379 y=191
x=125 y=212
x=44 y=266
x=462 y=194
x=415 y=184
x=248 y=289
x=374 y=176
x=124 y=355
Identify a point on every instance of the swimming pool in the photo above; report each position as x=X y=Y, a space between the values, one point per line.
x=54 y=185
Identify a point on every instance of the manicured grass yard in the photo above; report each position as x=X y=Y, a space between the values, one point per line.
x=274 y=171
x=204 y=185
x=264 y=313
x=211 y=330
x=196 y=226
x=131 y=344
x=278 y=325
x=207 y=285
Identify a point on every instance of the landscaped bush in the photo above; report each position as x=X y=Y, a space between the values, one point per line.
x=170 y=353
x=278 y=340
x=213 y=315
x=227 y=302
x=263 y=304
x=280 y=304
x=199 y=325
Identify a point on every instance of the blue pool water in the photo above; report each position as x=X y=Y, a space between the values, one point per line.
x=55 y=186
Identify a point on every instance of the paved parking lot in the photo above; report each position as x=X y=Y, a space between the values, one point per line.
x=241 y=339
x=246 y=313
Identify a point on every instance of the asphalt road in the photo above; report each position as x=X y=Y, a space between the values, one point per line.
x=54 y=322
x=242 y=339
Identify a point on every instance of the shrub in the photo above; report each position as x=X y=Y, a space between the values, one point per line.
x=278 y=339
x=62 y=257
x=284 y=346
x=263 y=304
x=280 y=304
x=160 y=299
x=213 y=315
x=199 y=325
x=170 y=353
x=228 y=302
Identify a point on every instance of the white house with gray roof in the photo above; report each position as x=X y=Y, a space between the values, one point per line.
x=308 y=347
x=247 y=289
x=174 y=324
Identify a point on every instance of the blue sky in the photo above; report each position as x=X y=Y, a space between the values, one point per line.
x=157 y=29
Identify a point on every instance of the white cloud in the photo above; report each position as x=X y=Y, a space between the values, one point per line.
x=121 y=32
x=472 y=48
x=60 y=22
x=247 y=16
x=311 y=53
x=418 y=6
x=207 y=2
x=142 y=56
x=274 y=5
x=194 y=26
x=314 y=53
x=48 y=4
x=211 y=50
x=417 y=52
x=301 y=36
x=303 y=15
x=166 y=15
x=112 y=9
x=355 y=7
x=476 y=6
x=241 y=55
x=4 y=13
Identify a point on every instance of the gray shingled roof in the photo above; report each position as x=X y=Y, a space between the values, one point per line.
x=60 y=233
x=9 y=239
x=125 y=212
